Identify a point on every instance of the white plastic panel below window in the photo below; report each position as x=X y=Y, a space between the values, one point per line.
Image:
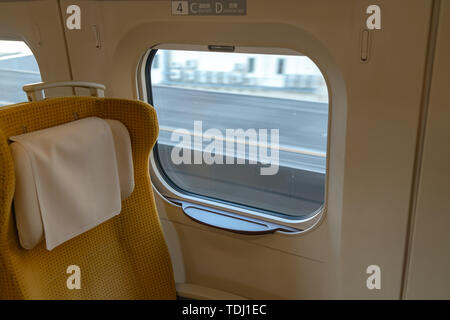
x=18 y=67
x=239 y=129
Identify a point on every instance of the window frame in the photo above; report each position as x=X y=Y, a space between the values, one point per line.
x=169 y=190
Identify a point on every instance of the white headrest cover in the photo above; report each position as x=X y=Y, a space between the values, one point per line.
x=26 y=204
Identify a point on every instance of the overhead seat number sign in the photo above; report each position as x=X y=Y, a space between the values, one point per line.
x=209 y=7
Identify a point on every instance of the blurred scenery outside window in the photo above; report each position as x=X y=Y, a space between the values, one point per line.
x=247 y=91
x=18 y=67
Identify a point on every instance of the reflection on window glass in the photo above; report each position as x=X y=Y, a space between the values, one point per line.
x=18 y=67
x=275 y=107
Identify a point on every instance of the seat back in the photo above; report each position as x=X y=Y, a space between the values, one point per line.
x=123 y=258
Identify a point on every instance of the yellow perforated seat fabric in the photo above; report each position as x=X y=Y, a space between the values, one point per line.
x=123 y=258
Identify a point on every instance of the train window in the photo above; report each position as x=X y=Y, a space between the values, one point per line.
x=18 y=67
x=242 y=128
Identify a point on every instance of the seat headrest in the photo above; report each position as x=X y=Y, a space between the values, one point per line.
x=26 y=201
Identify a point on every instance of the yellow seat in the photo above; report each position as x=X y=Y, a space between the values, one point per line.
x=123 y=258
